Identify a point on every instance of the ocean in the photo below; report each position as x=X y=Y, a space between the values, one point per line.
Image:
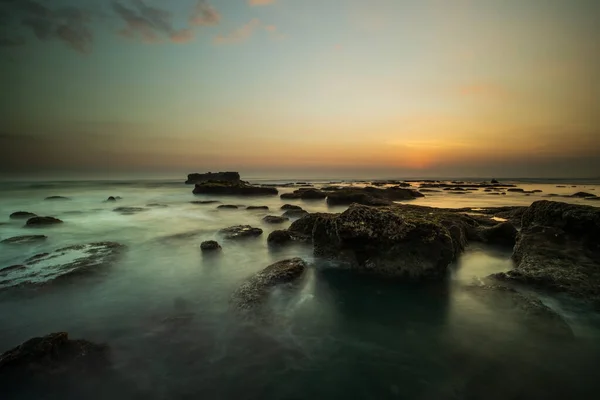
x=163 y=307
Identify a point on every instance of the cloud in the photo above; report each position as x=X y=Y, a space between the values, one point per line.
x=260 y=2
x=182 y=36
x=66 y=24
x=240 y=34
x=204 y=14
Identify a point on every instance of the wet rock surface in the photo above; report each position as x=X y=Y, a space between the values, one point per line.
x=290 y=207
x=257 y=208
x=22 y=215
x=274 y=219
x=213 y=176
x=24 y=239
x=210 y=245
x=205 y=201
x=558 y=249
x=228 y=206
x=236 y=188
x=279 y=237
x=372 y=196
x=43 y=221
x=61 y=263
x=305 y=194
x=294 y=214
x=502 y=234
x=57 y=198
x=255 y=291
x=240 y=232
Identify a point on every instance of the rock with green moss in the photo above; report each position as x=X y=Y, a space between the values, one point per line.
x=415 y=243
x=558 y=249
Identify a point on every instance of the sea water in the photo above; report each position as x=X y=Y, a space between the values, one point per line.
x=164 y=308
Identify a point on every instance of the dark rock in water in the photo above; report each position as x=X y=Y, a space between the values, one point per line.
x=532 y=312
x=255 y=291
x=257 y=208
x=210 y=245
x=111 y=198
x=558 y=249
x=10 y=268
x=62 y=263
x=592 y=198
x=229 y=206
x=371 y=196
x=494 y=181
x=238 y=188
x=537 y=191
x=331 y=188
x=157 y=205
x=213 y=176
x=429 y=190
x=306 y=224
x=503 y=234
x=279 y=237
x=274 y=219
x=22 y=215
x=459 y=189
x=53 y=357
x=43 y=221
x=129 y=210
x=57 y=198
x=290 y=207
x=24 y=239
x=487 y=190
x=414 y=243
x=240 y=232
x=516 y=190
x=457 y=193
x=293 y=214
x=305 y=194
x=205 y=201
x=583 y=195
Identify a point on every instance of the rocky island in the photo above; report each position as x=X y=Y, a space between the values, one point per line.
x=226 y=183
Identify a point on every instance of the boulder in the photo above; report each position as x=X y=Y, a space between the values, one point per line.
x=494 y=181
x=237 y=188
x=430 y=190
x=213 y=176
x=240 y=232
x=64 y=262
x=210 y=245
x=371 y=196
x=558 y=249
x=274 y=219
x=129 y=210
x=304 y=226
x=57 y=198
x=516 y=190
x=205 y=201
x=22 y=215
x=502 y=234
x=256 y=290
x=279 y=237
x=229 y=206
x=403 y=242
x=305 y=194
x=43 y=221
x=111 y=198
x=293 y=214
x=257 y=208
x=157 y=205
x=290 y=207
x=24 y=239
x=583 y=195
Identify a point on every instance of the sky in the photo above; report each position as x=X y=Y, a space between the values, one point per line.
x=383 y=88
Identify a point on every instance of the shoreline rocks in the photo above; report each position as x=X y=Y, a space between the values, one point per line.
x=129 y=210
x=305 y=194
x=240 y=232
x=274 y=219
x=235 y=188
x=24 y=239
x=372 y=196
x=257 y=208
x=22 y=215
x=42 y=221
x=212 y=176
x=57 y=198
x=209 y=246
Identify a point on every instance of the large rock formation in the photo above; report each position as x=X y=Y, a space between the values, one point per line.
x=305 y=194
x=256 y=289
x=371 y=196
x=396 y=241
x=558 y=249
x=213 y=176
x=232 y=188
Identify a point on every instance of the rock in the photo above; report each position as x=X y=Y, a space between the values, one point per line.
x=593 y=198
x=240 y=232
x=415 y=243
x=430 y=191
x=494 y=181
x=42 y=221
x=537 y=191
x=57 y=198
x=157 y=205
x=531 y=311
x=293 y=214
x=24 y=239
x=305 y=194
x=274 y=219
x=304 y=226
x=129 y=210
x=257 y=208
x=503 y=234
x=516 y=190
x=213 y=176
x=64 y=262
x=229 y=206
x=256 y=290
x=205 y=201
x=460 y=189
x=53 y=357
x=239 y=188
x=6 y=270
x=111 y=198
x=371 y=196
x=279 y=237
x=583 y=195
x=22 y=215
x=558 y=249
x=290 y=207
x=210 y=245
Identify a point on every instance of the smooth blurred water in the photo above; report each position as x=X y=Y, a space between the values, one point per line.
x=164 y=307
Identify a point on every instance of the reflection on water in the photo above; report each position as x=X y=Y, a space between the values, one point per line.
x=164 y=310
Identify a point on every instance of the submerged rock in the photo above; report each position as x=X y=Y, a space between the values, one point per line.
x=43 y=221
x=240 y=232
x=205 y=201
x=24 y=239
x=256 y=289
x=583 y=195
x=5 y=270
x=305 y=194
x=398 y=241
x=228 y=206
x=290 y=207
x=257 y=208
x=22 y=215
x=274 y=219
x=57 y=198
x=157 y=205
x=372 y=196
x=558 y=249
x=61 y=263
x=129 y=210
x=236 y=188
x=213 y=176
x=503 y=234
x=279 y=237
x=533 y=313
x=111 y=198
x=210 y=245
x=293 y=214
